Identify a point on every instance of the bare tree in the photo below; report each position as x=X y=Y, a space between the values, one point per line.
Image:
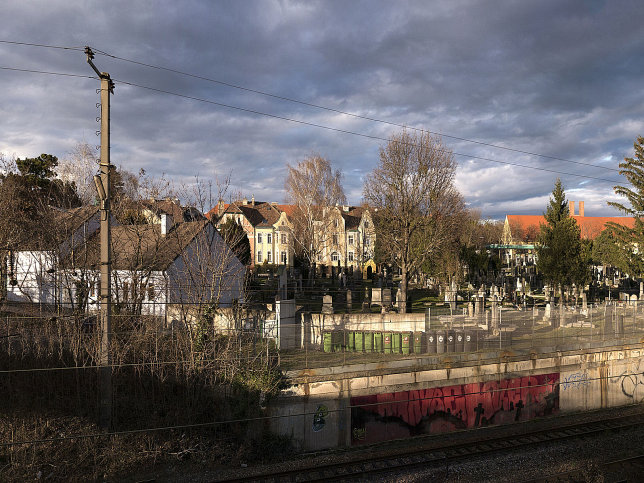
x=416 y=200
x=79 y=167
x=314 y=188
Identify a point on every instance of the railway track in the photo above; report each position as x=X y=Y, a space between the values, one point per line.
x=366 y=467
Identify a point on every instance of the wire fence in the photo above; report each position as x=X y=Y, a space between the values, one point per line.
x=206 y=383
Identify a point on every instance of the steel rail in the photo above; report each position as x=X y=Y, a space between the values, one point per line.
x=438 y=457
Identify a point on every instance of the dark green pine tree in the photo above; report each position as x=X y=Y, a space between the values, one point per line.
x=631 y=240
x=561 y=258
x=236 y=239
x=39 y=175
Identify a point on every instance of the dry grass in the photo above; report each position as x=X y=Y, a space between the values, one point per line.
x=160 y=381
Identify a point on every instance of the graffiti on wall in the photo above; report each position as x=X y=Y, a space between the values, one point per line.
x=575 y=380
x=318 y=418
x=382 y=417
x=631 y=382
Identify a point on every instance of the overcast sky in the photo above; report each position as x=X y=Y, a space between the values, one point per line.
x=559 y=78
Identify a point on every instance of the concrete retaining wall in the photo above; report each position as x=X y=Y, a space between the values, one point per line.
x=343 y=406
x=315 y=324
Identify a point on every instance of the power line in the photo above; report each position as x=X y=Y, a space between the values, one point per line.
x=345 y=131
x=47 y=72
x=348 y=407
x=318 y=106
x=346 y=113
x=311 y=124
x=11 y=42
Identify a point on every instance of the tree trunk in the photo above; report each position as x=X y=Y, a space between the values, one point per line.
x=402 y=293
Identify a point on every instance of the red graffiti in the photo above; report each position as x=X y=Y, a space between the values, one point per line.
x=447 y=408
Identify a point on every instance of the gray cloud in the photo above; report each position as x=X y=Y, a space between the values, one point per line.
x=561 y=78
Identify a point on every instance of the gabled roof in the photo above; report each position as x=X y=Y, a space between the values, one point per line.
x=351 y=222
x=288 y=209
x=259 y=214
x=63 y=224
x=69 y=221
x=170 y=207
x=141 y=247
x=173 y=208
x=263 y=214
x=591 y=226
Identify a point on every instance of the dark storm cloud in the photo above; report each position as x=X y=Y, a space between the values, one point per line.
x=552 y=77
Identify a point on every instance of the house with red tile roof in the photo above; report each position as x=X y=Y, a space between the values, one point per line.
x=526 y=228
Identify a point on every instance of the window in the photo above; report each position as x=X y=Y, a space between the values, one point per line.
x=284 y=258
x=350 y=256
x=259 y=238
x=259 y=256
x=335 y=239
x=335 y=257
x=351 y=239
x=284 y=240
x=150 y=291
x=269 y=239
x=269 y=256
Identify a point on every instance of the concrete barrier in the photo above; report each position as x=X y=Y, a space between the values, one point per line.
x=363 y=403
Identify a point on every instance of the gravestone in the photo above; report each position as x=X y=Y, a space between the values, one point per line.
x=376 y=296
x=608 y=320
x=495 y=312
x=633 y=300
x=283 y=284
x=327 y=304
x=470 y=309
x=547 y=313
x=349 y=301
x=365 y=306
x=386 y=297
x=480 y=304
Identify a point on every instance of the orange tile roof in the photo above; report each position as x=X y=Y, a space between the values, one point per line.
x=288 y=209
x=591 y=226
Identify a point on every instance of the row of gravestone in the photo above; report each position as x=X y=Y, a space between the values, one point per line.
x=379 y=296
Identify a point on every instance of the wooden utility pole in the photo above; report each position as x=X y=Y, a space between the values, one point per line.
x=103 y=187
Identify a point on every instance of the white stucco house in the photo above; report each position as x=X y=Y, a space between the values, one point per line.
x=171 y=270
x=32 y=269
x=166 y=269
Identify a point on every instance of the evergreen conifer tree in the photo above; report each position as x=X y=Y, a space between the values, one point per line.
x=631 y=240
x=560 y=254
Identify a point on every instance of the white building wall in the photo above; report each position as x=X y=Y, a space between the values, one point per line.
x=30 y=277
